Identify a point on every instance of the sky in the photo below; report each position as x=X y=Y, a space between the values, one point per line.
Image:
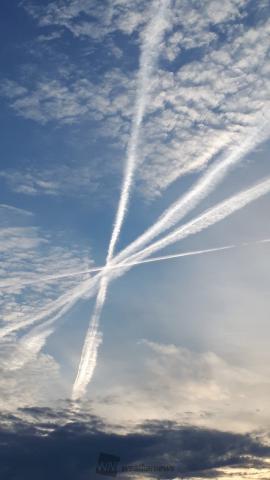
x=132 y=131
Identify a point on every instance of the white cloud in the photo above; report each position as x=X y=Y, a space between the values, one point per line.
x=186 y=386
x=65 y=180
x=27 y=253
x=205 y=107
x=39 y=382
x=68 y=101
x=77 y=16
x=198 y=109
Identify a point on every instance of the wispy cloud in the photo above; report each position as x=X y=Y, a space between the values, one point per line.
x=206 y=106
x=68 y=180
x=69 y=98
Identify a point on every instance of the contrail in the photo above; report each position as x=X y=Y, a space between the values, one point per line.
x=66 y=301
x=118 y=265
x=153 y=36
x=206 y=219
x=204 y=186
x=57 y=307
x=21 y=281
x=169 y=218
x=31 y=343
x=133 y=264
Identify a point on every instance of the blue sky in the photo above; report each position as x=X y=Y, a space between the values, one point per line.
x=177 y=93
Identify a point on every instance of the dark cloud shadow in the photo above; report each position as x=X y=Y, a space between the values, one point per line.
x=41 y=443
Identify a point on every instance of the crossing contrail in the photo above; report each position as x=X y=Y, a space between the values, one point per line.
x=205 y=185
x=210 y=217
x=79 y=273
x=30 y=344
x=153 y=36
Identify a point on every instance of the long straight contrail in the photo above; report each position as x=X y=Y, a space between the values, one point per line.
x=153 y=35
x=118 y=265
x=79 y=273
x=204 y=186
x=35 y=339
x=206 y=219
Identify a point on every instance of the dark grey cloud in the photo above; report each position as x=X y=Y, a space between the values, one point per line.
x=46 y=444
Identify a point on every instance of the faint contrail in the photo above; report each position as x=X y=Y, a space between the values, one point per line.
x=58 y=307
x=22 y=281
x=118 y=265
x=153 y=35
